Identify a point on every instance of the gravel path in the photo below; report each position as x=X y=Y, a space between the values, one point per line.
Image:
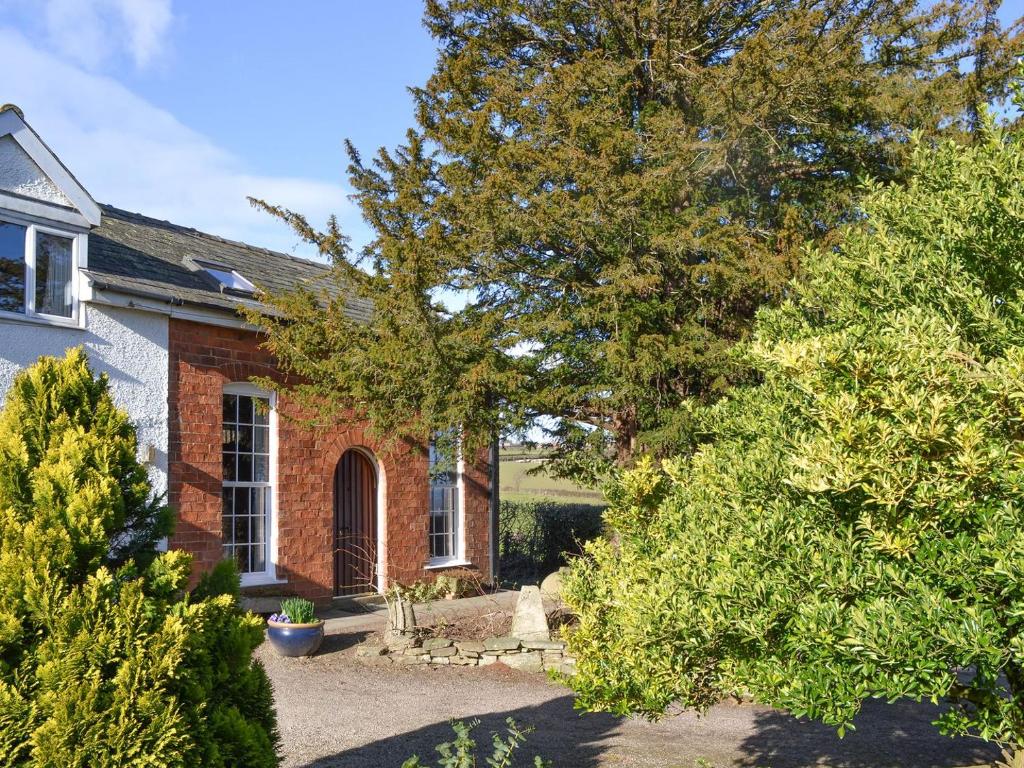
x=335 y=710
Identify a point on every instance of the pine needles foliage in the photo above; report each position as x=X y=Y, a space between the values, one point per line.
x=597 y=197
x=104 y=659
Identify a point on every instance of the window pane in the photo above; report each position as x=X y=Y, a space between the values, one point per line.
x=259 y=562
x=244 y=410
x=261 y=469
x=228 y=508
x=12 y=267
x=229 y=467
x=241 y=501
x=53 y=274
x=244 y=468
x=261 y=409
x=261 y=439
x=241 y=530
x=245 y=439
x=230 y=408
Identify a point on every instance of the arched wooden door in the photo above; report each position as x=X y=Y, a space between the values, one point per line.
x=355 y=524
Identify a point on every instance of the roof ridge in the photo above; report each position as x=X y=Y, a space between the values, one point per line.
x=199 y=233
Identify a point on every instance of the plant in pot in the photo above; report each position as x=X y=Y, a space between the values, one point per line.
x=295 y=631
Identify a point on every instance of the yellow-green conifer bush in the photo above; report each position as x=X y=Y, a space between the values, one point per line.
x=853 y=527
x=104 y=660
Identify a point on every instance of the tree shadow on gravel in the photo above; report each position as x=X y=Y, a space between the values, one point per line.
x=888 y=735
x=899 y=734
x=341 y=642
x=562 y=736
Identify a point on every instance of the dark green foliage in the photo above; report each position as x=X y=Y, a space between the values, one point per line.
x=612 y=189
x=853 y=527
x=535 y=536
x=461 y=751
x=222 y=579
x=103 y=660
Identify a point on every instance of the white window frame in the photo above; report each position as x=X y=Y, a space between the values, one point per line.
x=270 y=522
x=459 y=556
x=78 y=248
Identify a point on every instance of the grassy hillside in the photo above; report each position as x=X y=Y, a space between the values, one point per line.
x=519 y=484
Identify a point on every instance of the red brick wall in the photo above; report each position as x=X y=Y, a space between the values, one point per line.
x=203 y=359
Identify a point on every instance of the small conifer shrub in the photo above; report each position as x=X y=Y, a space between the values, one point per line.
x=104 y=659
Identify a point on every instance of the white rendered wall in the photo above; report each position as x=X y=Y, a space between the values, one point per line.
x=20 y=174
x=129 y=346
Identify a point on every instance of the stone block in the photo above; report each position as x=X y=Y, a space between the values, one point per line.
x=502 y=643
x=371 y=649
x=485 y=660
x=543 y=645
x=470 y=646
x=529 y=622
x=422 y=659
x=446 y=651
x=527 y=662
x=436 y=642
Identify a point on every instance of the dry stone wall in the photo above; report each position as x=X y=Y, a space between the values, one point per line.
x=526 y=655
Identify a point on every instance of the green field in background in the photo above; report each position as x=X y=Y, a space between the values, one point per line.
x=517 y=484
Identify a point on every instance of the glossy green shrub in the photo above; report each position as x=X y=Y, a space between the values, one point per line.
x=104 y=659
x=854 y=526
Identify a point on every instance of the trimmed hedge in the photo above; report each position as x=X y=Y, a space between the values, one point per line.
x=536 y=537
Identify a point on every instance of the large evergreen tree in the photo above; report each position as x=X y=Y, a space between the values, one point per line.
x=609 y=190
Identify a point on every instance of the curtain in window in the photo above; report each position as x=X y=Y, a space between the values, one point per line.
x=53 y=275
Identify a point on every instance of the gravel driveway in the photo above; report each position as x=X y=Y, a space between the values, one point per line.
x=336 y=710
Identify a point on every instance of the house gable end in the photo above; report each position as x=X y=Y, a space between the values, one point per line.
x=33 y=180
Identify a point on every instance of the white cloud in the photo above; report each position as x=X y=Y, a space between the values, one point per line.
x=92 y=32
x=131 y=154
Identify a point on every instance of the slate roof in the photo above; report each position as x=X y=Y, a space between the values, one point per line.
x=135 y=254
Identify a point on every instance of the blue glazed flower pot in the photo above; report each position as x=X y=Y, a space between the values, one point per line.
x=295 y=639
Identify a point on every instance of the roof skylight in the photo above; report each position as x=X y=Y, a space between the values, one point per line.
x=230 y=281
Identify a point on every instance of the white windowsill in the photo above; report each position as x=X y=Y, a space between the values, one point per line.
x=449 y=563
x=260 y=580
x=61 y=322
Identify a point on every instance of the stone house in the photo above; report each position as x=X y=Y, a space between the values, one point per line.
x=315 y=512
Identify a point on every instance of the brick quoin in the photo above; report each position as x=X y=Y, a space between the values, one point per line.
x=205 y=358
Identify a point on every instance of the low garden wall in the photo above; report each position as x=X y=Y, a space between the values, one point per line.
x=526 y=655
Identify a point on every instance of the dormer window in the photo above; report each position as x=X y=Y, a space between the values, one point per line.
x=37 y=272
x=230 y=281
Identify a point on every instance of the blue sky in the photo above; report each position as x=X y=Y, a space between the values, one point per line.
x=181 y=108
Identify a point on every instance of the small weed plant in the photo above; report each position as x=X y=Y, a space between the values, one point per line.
x=461 y=751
